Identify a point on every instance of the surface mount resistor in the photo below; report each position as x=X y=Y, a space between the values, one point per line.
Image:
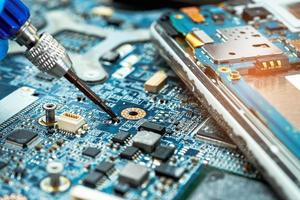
x=156 y=82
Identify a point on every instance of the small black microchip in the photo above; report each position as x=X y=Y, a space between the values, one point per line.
x=121 y=189
x=22 y=138
x=164 y=21
x=110 y=56
x=114 y=21
x=129 y=153
x=120 y=137
x=163 y=152
x=149 y=126
x=257 y=12
x=2 y=165
x=169 y=171
x=191 y=152
x=91 y=152
x=92 y=179
x=104 y=167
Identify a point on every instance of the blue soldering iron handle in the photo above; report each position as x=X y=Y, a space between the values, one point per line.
x=13 y=15
x=42 y=50
x=3 y=43
x=3 y=48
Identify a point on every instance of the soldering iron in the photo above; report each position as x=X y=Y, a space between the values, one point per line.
x=43 y=50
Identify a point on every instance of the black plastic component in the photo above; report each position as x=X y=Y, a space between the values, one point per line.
x=169 y=171
x=91 y=152
x=164 y=21
x=121 y=189
x=149 y=126
x=256 y=12
x=120 y=137
x=92 y=179
x=21 y=137
x=163 y=152
x=104 y=167
x=191 y=152
x=114 y=21
x=129 y=153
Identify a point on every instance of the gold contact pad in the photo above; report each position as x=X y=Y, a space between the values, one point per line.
x=194 y=14
x=133 y=113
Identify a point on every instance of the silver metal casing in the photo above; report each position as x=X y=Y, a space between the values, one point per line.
x=49 y=56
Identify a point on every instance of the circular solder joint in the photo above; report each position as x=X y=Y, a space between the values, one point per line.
x=133 y=113
x=224 y=69
x=235 y=75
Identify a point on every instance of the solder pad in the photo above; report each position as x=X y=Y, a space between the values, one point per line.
x=133 y=113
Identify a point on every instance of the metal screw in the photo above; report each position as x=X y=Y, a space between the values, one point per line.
x=50 y=112
x=54 y=170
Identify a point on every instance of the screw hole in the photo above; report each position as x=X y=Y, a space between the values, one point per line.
x=133 y=113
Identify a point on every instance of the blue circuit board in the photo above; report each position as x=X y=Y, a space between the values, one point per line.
x=280 y=125
x=98 y=13
x=206 y=157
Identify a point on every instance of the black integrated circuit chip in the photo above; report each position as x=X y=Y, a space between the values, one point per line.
x=104 y=167
x=257 y=12
x=164 y=21
x=169 y=171
x=120 y=137
x=129 y=152
x=121 y=189
x=191 y=152
x=156 y=128
x=91 y=152
x=114 y=21
x=21 y=138
x=163 y=152
x=92 y=179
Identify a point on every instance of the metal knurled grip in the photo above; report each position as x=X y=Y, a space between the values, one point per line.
x=49 y=56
